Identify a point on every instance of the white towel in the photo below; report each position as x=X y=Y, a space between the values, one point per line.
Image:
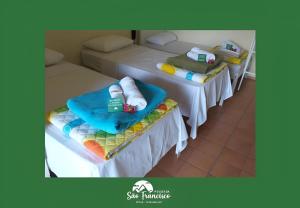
x=230 y=46
x=195 y=52
x=132 y=94
x=116 y=91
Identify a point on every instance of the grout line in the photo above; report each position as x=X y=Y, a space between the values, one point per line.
x=224 y=145
x=218 y=155
x=236 y=127
x=195 y=166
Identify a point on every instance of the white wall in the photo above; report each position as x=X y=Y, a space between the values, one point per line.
x=69 y=42
x=210 y=38
x=216 y=37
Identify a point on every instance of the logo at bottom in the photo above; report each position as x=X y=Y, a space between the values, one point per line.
x=143 y=192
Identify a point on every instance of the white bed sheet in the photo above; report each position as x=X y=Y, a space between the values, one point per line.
x=47 y=173
x=176 y=47
x=67 y=158
x=140 y=62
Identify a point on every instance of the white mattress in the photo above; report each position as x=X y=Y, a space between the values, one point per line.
x=140 y=62
x=67 y=158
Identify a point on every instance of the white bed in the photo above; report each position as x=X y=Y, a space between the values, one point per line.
x=67 y=158
x=176 y=47
x=181 y=47
x=140 y=62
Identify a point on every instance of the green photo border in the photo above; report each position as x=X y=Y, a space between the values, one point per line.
x=23 y=26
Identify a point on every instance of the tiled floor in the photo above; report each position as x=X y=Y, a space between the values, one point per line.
x=225 y=145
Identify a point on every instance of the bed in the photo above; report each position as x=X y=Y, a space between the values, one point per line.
x=181 y=47
x=140 y=62
x=67 y=158
x=176 y=47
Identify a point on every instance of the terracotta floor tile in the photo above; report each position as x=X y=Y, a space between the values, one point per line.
x=213 y=114
x=186 y=153
x=246 y=122
x=157 y=172
x=252 y=152
x=233 y=158
x=247 y=90
x=209 y=148
x=188 y=170
x=235 y=104
x=231 y=118
x=225 y=144
x=218 y=133
x=223 y=169
x=245 y=96
x=246 y=134
x=250 y=111
x=217 y=138
x=201 y=160
x=170 y=163
x=194 y=143
x=246 y=174
x=239 y=145
x=250 y=166
x=221 y=126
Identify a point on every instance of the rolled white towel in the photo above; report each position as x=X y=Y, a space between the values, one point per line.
x=116 y=91
x=132 y=94
x=189 y=75
x=195 y=52
x=183 y=73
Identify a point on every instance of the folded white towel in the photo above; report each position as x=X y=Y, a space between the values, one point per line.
x=116 y=91
x=195 y=52
x=231 y=46
x=132 y=94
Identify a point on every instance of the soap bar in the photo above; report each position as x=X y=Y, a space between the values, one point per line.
x=129 y=108
x=115 y=105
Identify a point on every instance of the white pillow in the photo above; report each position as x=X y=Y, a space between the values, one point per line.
x=162 y=38
x=52 y=57
x=108 y=43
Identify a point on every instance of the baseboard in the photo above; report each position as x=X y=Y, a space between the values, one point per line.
x=251 y=76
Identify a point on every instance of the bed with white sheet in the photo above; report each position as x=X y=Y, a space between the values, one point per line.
x=140 y=62
x=67 y=158
x=176 y=47
x=181 y=47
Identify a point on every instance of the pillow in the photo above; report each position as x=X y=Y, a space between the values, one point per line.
x=52 y=57
x=108 y=43
x=162 y=38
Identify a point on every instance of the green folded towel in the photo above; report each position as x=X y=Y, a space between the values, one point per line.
x=182 y=61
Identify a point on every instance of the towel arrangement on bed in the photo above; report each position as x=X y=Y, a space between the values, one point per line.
x=190 y=75
x=196 y=65
x=200 y=55
x=228 y=57
x=86 y=119
x=92 y=108
x=184 y=62
x=101 y=143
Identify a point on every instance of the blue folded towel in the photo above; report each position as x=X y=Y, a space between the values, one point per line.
x=92 y=108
